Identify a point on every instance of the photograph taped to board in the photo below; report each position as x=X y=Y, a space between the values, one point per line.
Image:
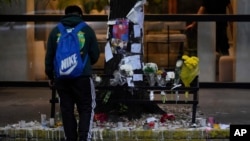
x=120 y=35
x=120 y=30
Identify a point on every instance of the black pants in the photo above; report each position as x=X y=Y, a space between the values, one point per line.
x=80 y=92
x=222 y=45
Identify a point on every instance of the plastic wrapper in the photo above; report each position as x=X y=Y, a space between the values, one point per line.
x=189 y=71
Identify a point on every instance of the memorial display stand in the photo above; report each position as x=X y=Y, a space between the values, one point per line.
x=135 y=101
x=174 y=93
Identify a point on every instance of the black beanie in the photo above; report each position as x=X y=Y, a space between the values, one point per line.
x=73 y=9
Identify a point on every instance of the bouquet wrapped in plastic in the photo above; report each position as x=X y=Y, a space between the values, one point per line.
x=121 y=76
x=189 y=70
x=150 y=70
x=126 y=70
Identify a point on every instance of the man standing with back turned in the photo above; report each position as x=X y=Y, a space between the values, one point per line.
x=218 y=7
x=79 y=90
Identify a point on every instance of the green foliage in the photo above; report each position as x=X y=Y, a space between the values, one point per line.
x=88 y=5
x=100 y=4
x=7 y=2
x=106 y=97
x=62 y=4
x=156 y=6
x=123 y=108
x=94 y=4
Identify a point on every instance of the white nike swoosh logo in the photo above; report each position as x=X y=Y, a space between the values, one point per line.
x=68 y=71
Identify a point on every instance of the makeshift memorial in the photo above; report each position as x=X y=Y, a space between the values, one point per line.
x=123 y=74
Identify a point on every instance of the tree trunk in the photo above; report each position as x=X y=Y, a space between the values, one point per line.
x=121 y=102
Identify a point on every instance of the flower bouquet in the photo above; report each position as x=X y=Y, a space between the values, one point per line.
x=150 y=70
x=189 y=70
x=127 y=71
x=100 y=118
x=161 y=78
x=121 y=76
x=166 y=117
x=118 y=79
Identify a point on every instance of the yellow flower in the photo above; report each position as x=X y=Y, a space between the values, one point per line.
x=189 y=70
x=190 y=62
x=159 y=72
x=184 y=57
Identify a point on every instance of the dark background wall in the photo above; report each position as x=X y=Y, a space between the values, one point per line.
x=183 y=6
x=188 y=6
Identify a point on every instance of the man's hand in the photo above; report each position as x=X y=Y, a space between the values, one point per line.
x=190 y=26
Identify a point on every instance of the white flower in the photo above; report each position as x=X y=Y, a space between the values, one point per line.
x=150 y=68
x=127 y=68
x=98 y=79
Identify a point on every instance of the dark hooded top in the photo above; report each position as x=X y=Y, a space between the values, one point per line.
x=90 y=46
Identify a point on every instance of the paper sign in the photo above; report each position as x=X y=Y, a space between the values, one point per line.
x=108 y=52
x=136 y=48
x=138 y=77
x=137 y=31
